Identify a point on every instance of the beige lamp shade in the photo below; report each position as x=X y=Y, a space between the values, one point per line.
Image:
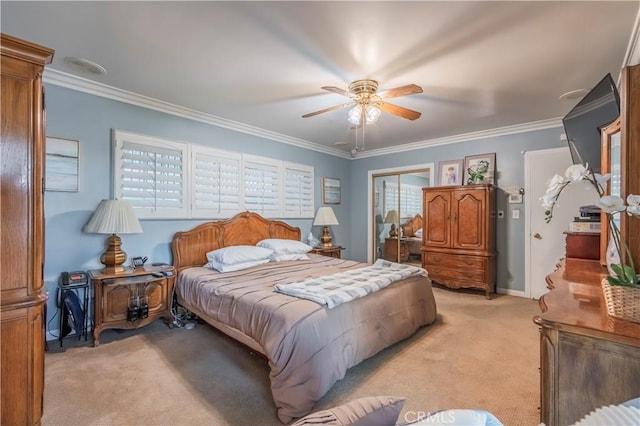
x=113 y=217
x=325 y=217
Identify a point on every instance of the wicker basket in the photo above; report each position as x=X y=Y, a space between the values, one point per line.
x=622 y=302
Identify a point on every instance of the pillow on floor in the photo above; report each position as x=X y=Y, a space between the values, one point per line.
x=369 y=411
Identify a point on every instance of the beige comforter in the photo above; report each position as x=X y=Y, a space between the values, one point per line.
x=309 y=347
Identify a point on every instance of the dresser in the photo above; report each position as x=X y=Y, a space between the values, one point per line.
x=459 y=236
x=22 y=295
x=587 y=358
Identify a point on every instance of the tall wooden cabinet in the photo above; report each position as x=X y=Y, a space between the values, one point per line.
x=22 y=240
x=458 y=239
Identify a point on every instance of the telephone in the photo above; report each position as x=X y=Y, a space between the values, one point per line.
x=137 y=262
x=74 y=278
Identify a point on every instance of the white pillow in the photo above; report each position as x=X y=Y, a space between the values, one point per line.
x=236 y=254
x=220 y=267
x=279 y=257
x=285 y=246
x=418 y=233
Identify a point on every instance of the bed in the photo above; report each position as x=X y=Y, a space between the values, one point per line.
x=412 y=234
x=308 y=347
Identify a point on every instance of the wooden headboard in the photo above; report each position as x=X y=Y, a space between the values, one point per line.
x=410 y=227
x=190 y=248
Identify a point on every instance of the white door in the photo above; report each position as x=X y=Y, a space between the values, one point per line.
x=545 y=242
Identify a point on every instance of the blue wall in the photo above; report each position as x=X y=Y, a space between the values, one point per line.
x=90 y=119
x=510 y=171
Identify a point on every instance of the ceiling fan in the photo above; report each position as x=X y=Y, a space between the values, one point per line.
x=368 y=104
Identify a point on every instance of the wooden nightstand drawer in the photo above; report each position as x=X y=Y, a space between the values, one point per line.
x=333 y=251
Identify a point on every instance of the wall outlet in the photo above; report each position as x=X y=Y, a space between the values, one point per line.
x=515 y=213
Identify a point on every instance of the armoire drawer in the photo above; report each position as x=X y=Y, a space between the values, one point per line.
x=476 y=275
x=461 y=261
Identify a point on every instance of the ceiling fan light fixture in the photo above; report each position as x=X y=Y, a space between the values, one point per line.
x=354 y=115
x=372 y=114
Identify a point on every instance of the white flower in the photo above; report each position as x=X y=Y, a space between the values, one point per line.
x=576 y=172
x=548 y=200
x=602 y=180
x=611 y=204
x=634 y=205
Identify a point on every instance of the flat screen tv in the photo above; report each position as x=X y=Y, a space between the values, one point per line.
x=584 y=123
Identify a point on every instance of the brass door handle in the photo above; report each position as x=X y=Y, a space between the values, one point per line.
x=537 y=236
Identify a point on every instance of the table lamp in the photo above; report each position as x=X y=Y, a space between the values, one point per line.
x=113 y=217
x=325 y=217
x=392 y=217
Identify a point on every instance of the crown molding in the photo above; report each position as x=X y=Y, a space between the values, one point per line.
x=632 y=56
x=466 y=137
x=69 y=81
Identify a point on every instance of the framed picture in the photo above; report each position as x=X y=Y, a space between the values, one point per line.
x=330 y=190
x=450 y=172
x=61 y=165
x=476 y=166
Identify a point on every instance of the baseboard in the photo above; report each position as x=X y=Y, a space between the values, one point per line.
x=518 y=293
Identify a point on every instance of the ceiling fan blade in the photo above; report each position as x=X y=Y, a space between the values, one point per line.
x=403 y=112
x=409 y=89
x=333 y=108
x=337 y=90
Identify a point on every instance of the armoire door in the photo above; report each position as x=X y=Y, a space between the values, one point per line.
x=437 y=213
x=468 y=213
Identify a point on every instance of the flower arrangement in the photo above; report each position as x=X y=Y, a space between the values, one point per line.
x=477 y=172
x=622 y=274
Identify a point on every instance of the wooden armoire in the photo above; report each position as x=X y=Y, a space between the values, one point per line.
x=22 y=296
x=458 y=239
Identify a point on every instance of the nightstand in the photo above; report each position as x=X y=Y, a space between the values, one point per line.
x=391 y=250
x=131 y=298
x=333 y=251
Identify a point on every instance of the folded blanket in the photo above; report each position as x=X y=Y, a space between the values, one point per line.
x=333 y=290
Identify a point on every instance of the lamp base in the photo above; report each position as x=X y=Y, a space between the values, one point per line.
x=114 y=257
x=326 y=237
x=393 y=233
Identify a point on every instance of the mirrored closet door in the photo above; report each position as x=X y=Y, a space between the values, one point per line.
x=397 y=215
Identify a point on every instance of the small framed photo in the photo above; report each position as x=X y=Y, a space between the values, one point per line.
x=450 y=172
x=480 y=169
x=330 y=190
x=61 y=165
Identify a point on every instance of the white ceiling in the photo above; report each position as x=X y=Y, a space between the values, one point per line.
x=482 y=65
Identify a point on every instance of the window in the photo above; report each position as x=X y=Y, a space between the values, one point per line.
x=169 y=179
x=262 y=190
x=149 y=173
x=215 y=190
x=298 y=190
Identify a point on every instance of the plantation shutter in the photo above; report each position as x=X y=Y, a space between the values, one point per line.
x=215 y=189
x=262 y=189
x=298 y=191
x=150 y=174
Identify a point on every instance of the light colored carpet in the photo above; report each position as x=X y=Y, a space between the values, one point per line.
x=479 y=354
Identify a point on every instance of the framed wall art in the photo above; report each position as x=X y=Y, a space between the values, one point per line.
x=480 y=169
x=61 y=165
x=450 y=172
x=330 y=190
